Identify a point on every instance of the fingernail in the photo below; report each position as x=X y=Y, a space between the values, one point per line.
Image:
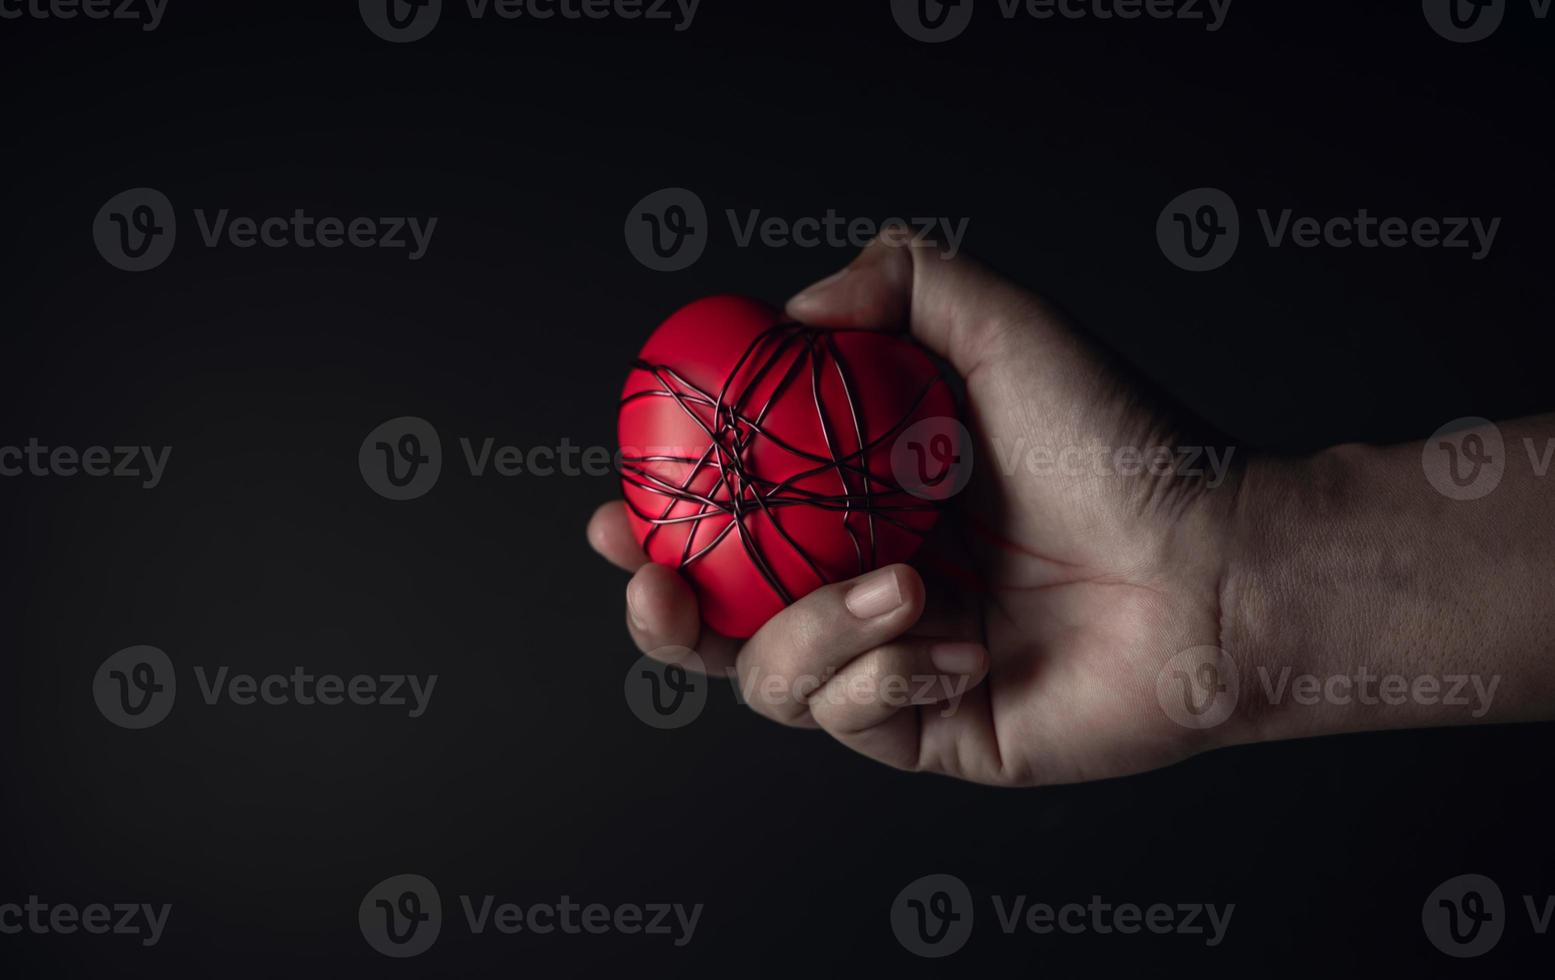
x=632 y=615
x=956 y=658
x=875 y=596
x=813 y=292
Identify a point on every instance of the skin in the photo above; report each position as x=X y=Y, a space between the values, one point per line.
x=1062 y=597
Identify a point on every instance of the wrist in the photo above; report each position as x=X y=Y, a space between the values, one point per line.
x=1297 y=540
x=1356 y=597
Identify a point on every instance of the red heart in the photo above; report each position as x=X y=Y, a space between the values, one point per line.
x=741 y=438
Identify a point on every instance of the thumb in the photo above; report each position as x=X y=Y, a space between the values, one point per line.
x=872 y=292
x=952 y=305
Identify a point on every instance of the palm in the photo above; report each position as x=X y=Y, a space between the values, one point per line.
x=1079 y=587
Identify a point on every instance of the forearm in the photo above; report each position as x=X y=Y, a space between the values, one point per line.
x=1359 y=596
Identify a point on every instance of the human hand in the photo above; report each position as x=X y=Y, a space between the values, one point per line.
x=1032 y=656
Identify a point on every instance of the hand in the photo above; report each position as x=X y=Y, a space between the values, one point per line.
x=1088 y=560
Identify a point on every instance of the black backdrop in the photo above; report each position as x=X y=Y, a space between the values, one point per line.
x=528 y=777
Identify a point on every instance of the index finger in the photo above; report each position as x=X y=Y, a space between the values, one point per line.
x=611 y=536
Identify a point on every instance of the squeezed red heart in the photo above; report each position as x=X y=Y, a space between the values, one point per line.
x=764 y=459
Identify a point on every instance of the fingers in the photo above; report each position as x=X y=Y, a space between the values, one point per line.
x=834 y=660
x=661 y=610
x=611 y=536
x=664 y=620
x=903 y=675
x=953 y=306
x=802 y=647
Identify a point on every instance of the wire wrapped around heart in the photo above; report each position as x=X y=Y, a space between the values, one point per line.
x=784 y=459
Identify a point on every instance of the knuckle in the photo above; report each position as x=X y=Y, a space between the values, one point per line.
x=809 y=627
x=869 y=690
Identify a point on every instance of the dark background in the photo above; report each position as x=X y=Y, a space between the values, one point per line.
x=528 y=777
